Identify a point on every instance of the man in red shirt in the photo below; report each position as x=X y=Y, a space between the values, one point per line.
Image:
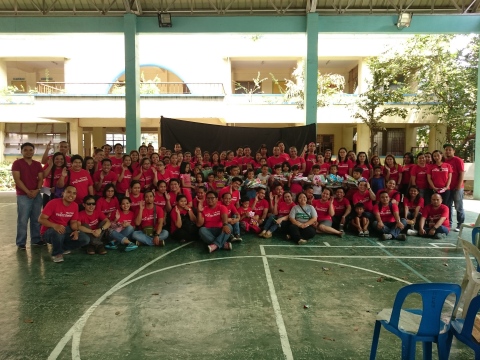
x=297 y=160
x=434 y=221
x=456 y=185
x=387 y=219
x=152 y=232
x=213 y=222
x=28 y=176
x=62 y=147
x=260 y=206
x=60 y=225
x=276 y=158
x=233 y=189
x=117 y=159
x=92 y=222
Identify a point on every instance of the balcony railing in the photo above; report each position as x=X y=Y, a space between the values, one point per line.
x=118 y=89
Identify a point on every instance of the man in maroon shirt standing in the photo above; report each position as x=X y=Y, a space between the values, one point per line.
x=28 y=176
x=456 y=185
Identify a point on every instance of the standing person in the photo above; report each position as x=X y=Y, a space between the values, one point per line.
x=103 y=177
x=275 y=158
x=125 y=174
x=60 y=225
x=144 y=174
x=107 y=149
x=434 y=221
x=456 y=185
x=89 y=165
x=28 y=176
x=302 y=218
x=310 y=156
x=135 y=156
x=392 y=170
x=150 y=220
x=213 y=222
x=297 y=160
x=62 y=147
x=51 y=174
x=418 y=176
x=117 y=158
x=439 y=176
x=408 y=164
x=387 y=219
x=80 y=178
x=362 y=163
x=343 y=162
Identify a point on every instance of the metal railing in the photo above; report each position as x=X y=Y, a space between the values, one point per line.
x=118 y=88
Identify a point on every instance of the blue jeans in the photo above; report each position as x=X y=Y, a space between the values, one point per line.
x=147 y=240
x=125 y=233
x=62 y=242
x=441 y=230
x=214 y=236
x=28 y=209
x=271 y=224
x=390 y=228
x=456 y=198
x=236 y=228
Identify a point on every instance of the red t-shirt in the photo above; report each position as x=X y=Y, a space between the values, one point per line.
x=146 y=179
x=322 y=209
x=67 y=160
x=160 y=200
x=173 y=196
x=148 y=215
x=122 y=186
x=107 y=179
x=363 y=198
x=58 y=213
x=92 y=220
x=394 y=172
x=344 y=167
x=439 y=174
x=116 y=163
x=235 y=194
x=213 y=216
x=297 y=161
x=244 y=213
x=386 y=214
x=406 y=173
x=230 y=162
x=340 y=206
x=365 y=168
x=47 y=182
x=135 y=201
x=411 y=206
x=284 y=156
x=174 y=170
x=393 y=194
x=174 y=217
x=108 y=208
x=283 y=208
x=272 y=161
x=82 y=181
x=166 y=176
x=420 y=174
x=457 y=167
x=128 y=217
x=259 y=207
x=28 y=174
x=310 y=160
x=231 y=209
x=433 y=215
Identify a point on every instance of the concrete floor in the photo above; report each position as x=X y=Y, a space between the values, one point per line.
x=179 y=302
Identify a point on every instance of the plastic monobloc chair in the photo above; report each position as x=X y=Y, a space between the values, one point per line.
x=471 y=279
x=468 y=226
x=427 y=325
x=462 y=328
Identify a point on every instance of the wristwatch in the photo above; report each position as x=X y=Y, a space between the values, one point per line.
x=155 y=234
x=225 y=224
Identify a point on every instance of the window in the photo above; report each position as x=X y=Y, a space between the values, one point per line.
x=113 y=139
x=247 y=87
x=38 y=134
x=390 y=141
x=325 y=142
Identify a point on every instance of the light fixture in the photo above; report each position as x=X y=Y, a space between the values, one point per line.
x=404 y=20
x=164 y=19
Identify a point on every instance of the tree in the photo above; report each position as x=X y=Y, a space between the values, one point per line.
x=328 y=85
x=378 y=102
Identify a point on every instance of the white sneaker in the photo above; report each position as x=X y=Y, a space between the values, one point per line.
x=412 y=232
x=387 y=236
x=302 y=242
x=457 y=229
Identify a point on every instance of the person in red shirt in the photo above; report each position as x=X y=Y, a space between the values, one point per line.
x=162 y=197
x=117 y=159
x=122 y=227
x=439 y=176
x=79 y=178
x=103 y=177
x=52 y=172
x=276 y=158
x=173 y=167
x=418 y=176
x=94 y=223
x=183 y=221
x=387 y=219
x=281 y=147
x=213 y=222
x=233 y=216
x=150 y=219
x=28 y=176
x=343 y=162
x=62 y=147
x=456 y=185
x=342 y=208
x=297 y=160
x=60 y=225
x=365 y=195
x=362 y=163
x=144 y=173
x=413 y=204
x=408 y=164
x=392 y=170
x=108 y=204
x=325 y=211
x=310 y=157
x=434 y=221
x=280 y=215
x=260 y=206
x=175 y=190
x=248 y=220
x=125 y=174
x=233 y=189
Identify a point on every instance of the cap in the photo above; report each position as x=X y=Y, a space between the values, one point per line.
x=447 y=145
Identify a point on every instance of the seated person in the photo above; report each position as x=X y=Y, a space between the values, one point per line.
x=342 y=208
x=387 y=219
x=325 y=211
x=233 y=216
x=183 y=221
x=248 y=218
x=434 y=221
x=94 y=223
x=150 y=219
x=359 y=221
x=213 y=222
x=59 y=225
x=280 y=215
x=122 y=227
x=302 y=217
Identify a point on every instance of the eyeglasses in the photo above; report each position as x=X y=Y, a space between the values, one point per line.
x=89 y=204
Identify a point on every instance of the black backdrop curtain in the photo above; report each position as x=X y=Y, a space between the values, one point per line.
x=217 y=137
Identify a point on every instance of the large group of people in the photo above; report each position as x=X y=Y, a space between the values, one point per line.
x=118 y=200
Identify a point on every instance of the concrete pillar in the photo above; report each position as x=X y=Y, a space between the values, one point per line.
x=363 y=138
x=2 y=142
x=436 y=138
x=228 y=80
x=99 y=137
x=3 y=74
x=311 y=69
x=132 y=83
x=410 y=137
x=76 y=138
x=88 y=144
x=476 y=184
x=364 y=76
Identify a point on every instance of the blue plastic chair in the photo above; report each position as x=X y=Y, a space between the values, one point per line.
x=462 y=328
x=432 y=329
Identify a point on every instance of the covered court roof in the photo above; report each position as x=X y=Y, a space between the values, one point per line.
x=232 y=7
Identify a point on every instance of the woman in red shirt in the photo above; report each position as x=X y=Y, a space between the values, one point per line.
x=439 y=176
x=125 y=174
x=418 y=176
x=413 y=204
x=408 y=164
x=162 y=198
x=122 y=229
x=362 y=163
x=52 y=171
x=279 y=218
x=392 y=170
x=325 y=211
x=108 y=203
x=144 y=174
x=343 y=162
x=135 y=195
x=183 y=221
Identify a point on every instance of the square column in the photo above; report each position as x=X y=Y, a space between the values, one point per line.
x=132 y=83
x=311 y=69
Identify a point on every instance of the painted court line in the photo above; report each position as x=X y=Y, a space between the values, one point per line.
x=374 y=257
x=287 y=351
x=447 y=244
x=364 y=246
x=327 y=244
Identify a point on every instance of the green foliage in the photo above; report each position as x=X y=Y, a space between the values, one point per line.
x=6 y=178
x=328 y=85
x=256 y=89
